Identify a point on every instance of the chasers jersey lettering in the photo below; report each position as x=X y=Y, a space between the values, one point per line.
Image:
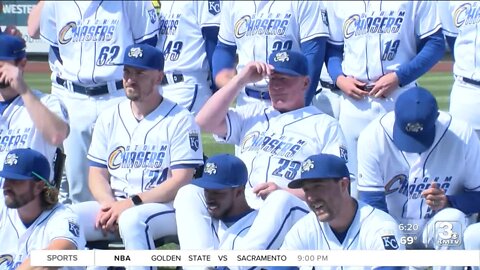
x=91 y=30
x=270 y=24
x=381 y=22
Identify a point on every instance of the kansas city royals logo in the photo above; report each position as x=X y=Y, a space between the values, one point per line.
x=344 y=153
x=414 y=127
x=307 y=165
x=390 y=242
x=135 y=52
x=152 y=13
x=210 y=168
x=281 y=57
x=73 y=228
x=11 y=159
x=194 y=140
x=214 y=7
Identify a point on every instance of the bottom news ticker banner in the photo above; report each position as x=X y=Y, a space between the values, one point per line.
x=255 y=258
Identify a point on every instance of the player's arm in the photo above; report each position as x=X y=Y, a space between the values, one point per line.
x=451 y=44
x=99 y=183
x=56 y=244
x=210 y=35
x=212 y=117
x=314 y=51
x=51 y=126
x=223 y=63
x=33 y=23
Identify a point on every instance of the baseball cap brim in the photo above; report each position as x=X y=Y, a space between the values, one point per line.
x=206 y=183
x=417 y=143
x=14 y=176
x=287 y=72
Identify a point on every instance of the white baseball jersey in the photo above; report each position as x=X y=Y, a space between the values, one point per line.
x=139 y=154
x=92 y=35
x=273 y=145
x=18 y=240
x=259 y=28
x=460 y=19
x=18 y=131
x=371 y=229
x=379 y=36
x=453 y=162
x=226 y=234
x=181 y=26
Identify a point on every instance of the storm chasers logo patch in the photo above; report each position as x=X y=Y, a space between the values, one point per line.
x=390 y=242
x=194 y=140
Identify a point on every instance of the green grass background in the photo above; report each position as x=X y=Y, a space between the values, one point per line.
x=440 y=83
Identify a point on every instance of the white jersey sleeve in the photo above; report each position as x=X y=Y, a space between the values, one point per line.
x=138 y=12
x=369 y=176
x=98 y=149
x=48 y=24
x=426 y=21
x=226 y=33
x=311 y=19
x=208 y=13
x=444 y=12
x=335 y=23
x=472 y=160
x=65 y=225
x=185 y=142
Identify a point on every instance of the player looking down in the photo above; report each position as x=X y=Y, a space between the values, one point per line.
x=421 y=165
x=273 y=141
x=30 y=216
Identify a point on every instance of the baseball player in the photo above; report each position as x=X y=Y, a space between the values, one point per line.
x=254 y=30
x=29 y=118
x=461 y=30
x=87 y=42
x=190 y=30
x=143 y=150
x=421 y=165
x=337 y=221
x=273 y=141
x=376 y=50
x=223 y=184
x=30 y=216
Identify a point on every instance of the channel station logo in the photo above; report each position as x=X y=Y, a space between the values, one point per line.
x=448 y=233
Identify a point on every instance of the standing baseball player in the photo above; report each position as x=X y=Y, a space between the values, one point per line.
x=143 y=150
x=190 y=30
x=461 y=29
x=30 y=216
x=421 y=166
x=29 y=118
x=337 y=221
x=376 y=50
x=87 y=41
x=255 y=29
x=272 y=141
x=223 y=184
x=328 y=95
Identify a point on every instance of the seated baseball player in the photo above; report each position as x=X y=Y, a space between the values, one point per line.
x=273 y=141
x=30 y=216
x=143 y=150
x=223 y=182
x=337 y=220
x=421 y=165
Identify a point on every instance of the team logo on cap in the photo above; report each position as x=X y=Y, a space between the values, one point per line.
x=307 y=165
x=414 y=127
x=281 y=57
x=210 y=168
x=11 y=159
x=135 y=52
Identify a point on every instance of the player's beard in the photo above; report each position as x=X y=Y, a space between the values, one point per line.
x=13 y=200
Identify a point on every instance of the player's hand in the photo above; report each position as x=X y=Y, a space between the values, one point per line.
x=13 y=30
x=435 y=197
x=351 y=87
x=114 y=211
x=262 y=190
x=254 y=72
x=13 y=75
x=385 y=85
x=102 y=217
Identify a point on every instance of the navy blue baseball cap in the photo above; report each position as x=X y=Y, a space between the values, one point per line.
x=416 y=112
x=12 y=47
x=320 y=167
x=143 y=56
x=223 y=171
x=26 y=164
x=289 y=62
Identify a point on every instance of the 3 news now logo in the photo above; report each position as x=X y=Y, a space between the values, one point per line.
x=448 y=233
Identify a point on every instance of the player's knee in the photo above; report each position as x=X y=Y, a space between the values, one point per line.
x=187 y=196
x=452 y=214
x=471 y=237
x=130 y=220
